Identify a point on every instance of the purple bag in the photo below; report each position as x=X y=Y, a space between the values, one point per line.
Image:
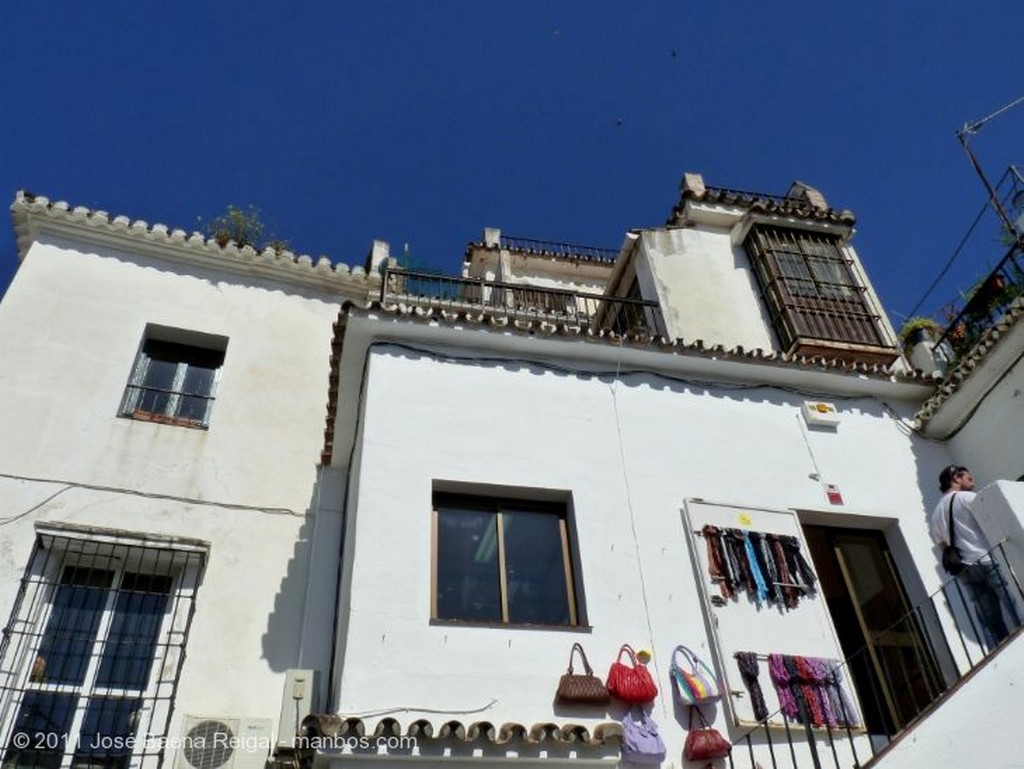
x=641 y=742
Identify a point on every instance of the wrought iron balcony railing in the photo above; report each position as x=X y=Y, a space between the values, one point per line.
x=559 y=249
x=576 y=309
x=946 y=626
x=984 y=306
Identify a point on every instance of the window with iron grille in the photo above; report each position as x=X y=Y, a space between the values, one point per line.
x=90 y=658
x=503 y=561
x=174 y=382
x=811 y=290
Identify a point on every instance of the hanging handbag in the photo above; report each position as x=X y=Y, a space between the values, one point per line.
x=952 y=559
x=641 y=742
x=633 y=682
x=692 y=680
x=578 y=688
x=706 y=743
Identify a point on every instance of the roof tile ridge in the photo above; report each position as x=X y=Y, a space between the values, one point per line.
x=196 y=241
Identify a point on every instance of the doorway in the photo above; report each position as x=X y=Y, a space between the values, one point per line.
x=890 y=660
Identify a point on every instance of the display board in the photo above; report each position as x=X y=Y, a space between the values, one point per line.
x=748 y=622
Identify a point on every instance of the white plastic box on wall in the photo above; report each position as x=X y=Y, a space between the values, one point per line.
x=820 y=414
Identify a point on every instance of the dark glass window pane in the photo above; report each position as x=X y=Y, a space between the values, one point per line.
x=467 y=565
x=535 y=568
x=158 y=383
x=107 y=725
x=71 y=630
x=45 y=720
x=138 y=613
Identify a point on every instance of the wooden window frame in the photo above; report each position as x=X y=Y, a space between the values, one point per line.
x=497 y=505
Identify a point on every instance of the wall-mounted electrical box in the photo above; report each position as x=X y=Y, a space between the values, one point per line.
x=820 y=414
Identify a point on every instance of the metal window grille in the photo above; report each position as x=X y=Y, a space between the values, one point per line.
x=810 y=289
x=91 y=656
x=173 y=383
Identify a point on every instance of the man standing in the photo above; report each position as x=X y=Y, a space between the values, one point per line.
x=983 y=578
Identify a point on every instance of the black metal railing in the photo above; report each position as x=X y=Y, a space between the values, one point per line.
x=971 y=319
x=916 y=661
x=531 y=245
x=576 y=309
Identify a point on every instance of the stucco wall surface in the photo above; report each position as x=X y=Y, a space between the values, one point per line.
x=996 y=424
x=70 y=329
x=627 y=453
x=706 y=288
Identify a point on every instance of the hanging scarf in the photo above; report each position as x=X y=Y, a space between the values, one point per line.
x=717 y=563
x=798 y=567
x=780 y=680
x=809 y=690
x=764 y=564
x=737 y=541
x=755 y=568
x=790 y=591
x=846 y=714
x=749 y=671
x=819 y=672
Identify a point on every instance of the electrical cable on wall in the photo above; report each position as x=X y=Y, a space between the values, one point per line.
x=136 y=493
x=632 y=524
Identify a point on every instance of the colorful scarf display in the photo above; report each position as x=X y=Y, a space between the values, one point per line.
x=769 y=567
x=806 y=687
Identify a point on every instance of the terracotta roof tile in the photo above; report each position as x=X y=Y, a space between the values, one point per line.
x=538 y=327
x=970 y=362
x=762 y=203
x=26 y=203
x=341 y=727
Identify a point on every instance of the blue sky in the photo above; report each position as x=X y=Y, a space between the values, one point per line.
x=423 y=123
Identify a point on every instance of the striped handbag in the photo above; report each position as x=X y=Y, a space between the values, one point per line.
x=692 y=680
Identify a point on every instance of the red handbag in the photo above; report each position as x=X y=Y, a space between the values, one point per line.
x=630 y=683
x=705 y=744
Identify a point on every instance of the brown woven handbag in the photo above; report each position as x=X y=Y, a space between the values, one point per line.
x=581 y=689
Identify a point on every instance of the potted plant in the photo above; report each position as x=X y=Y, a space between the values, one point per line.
x=919 y=329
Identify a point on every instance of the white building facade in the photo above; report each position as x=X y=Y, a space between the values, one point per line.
x=544 y=451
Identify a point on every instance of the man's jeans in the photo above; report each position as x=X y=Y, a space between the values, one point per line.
x=984 y=582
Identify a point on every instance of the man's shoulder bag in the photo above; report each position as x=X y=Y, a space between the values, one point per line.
x=952 y=559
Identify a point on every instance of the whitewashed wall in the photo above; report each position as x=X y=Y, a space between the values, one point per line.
x=998 y=424
x=626 y=451
x=70 y=327
x=706 y=287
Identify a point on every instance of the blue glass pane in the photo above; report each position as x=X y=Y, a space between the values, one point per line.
x=71 y=630
x=138 y=613
x=467 y=566
x=104 y=740
x=535 y=568
x=40 y=732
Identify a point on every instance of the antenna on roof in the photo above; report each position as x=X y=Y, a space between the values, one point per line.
x=970 y=129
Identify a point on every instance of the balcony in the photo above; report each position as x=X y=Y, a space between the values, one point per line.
x=517 y=301
x=972 y=319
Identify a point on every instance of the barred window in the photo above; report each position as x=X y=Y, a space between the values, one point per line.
x=816 y=302
x=174 y=382
x=91 y=654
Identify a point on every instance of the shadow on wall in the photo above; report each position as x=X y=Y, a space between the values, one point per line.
x=300 y=625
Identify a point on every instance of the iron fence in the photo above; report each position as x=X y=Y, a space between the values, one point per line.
x=919 y=659
x=982 y=308
x=576 y=309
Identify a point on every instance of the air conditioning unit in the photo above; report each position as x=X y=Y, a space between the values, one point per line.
x=214 y=742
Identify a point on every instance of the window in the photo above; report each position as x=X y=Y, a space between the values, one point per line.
x=174 y=382
x=502 y=561
x=815 y=300
x=92 y=652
